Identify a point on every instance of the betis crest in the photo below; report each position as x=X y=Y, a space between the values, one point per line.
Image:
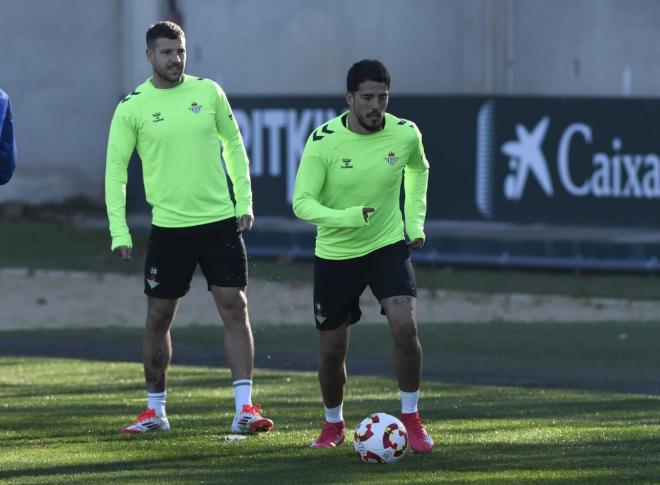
x=391 y=158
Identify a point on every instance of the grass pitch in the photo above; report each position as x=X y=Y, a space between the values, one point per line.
x=59 y=417
x=59 y=420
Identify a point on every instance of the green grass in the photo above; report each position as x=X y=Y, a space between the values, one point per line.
x=59 y=420
x=64 y=246
x=59 y=416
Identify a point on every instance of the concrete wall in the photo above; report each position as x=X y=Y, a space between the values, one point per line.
x=538 y=47
x=306 y=46
x=64 y=66
x=584 y=47
x=66 y=62
x=56 y=98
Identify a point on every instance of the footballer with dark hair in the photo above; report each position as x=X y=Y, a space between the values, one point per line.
x=178 y=124
x=348 y=185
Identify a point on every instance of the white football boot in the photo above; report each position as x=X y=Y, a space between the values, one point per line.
x=250 y=421
x=148 y=421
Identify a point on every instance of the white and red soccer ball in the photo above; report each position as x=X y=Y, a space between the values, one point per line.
x=380 y=438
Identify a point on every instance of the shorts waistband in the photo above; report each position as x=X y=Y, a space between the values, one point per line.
x=223 y=224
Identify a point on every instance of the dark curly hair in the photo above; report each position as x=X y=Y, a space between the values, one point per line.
x=366 y=70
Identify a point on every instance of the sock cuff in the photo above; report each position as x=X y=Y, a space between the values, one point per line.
x=157 y=394
x=334 y=415
x=409 y=401
x=243 y=382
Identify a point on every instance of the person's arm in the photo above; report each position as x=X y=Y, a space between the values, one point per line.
x=309 y=182
x=415 y=182
x=7 y=146
x=234 y=155
x=121 y=143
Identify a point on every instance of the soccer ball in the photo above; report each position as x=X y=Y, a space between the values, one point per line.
x=380 y=438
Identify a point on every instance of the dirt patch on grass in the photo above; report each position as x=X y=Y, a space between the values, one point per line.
x=69 y=299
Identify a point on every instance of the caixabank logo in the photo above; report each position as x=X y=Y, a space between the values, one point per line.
x=572 y=166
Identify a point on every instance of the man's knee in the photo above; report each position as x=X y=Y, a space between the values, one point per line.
x=231 y=301
x=405 y=337
x=333 y=355
x=333 y=352
x=159 y=317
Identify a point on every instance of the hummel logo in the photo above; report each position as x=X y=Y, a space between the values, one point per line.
x=157 y=117
x=346 y=163
x=525 y=156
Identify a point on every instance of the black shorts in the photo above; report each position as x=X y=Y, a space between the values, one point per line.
x=173 y=254
x=338 y=284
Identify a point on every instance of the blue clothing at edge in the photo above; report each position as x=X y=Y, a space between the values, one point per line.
x=7 y=141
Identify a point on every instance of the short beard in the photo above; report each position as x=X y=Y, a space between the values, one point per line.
x=164 y=74
x=367 y=127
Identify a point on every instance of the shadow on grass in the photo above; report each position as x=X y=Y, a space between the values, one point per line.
x=268 y=466
x=587 y=461
x=579 y=356
x=572 y=437
x=77 y=404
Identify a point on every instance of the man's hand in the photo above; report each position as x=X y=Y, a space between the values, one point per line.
x=366 y=211
x=124 y=252
x=245 y=223
x=416 y=243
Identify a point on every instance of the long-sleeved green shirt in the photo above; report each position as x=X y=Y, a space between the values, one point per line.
x=341 y=172
x=178 y=133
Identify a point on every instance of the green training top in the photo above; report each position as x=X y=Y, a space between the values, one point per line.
x=341 y=172
x=178 y=134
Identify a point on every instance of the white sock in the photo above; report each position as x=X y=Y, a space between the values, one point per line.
x=242 y=393
x=156 y=401
x=409 y=401
x=334 y=415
